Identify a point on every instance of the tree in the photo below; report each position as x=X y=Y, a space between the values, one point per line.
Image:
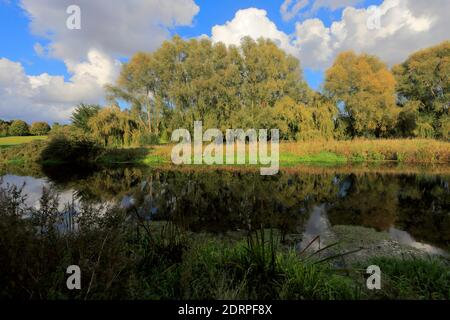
x=19 y=128
x=4 y=127
x=423 y=80
x=39 y=128
x=192 y=80
x=82 y=113
x=305 y=122
x=364 y=87
x=113 y=127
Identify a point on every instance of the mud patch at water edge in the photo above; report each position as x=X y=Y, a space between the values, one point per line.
x=368 y=243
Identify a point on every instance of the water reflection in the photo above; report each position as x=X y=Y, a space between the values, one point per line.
x=415 y=209
x=405 y=238
x=317 y=225
x=32 y=188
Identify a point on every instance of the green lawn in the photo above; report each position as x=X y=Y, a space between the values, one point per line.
x=6 y=142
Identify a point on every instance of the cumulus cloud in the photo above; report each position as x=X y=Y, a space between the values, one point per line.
x=404 y=27
x=51 y=98
x=109 y=29
x=254 y=23
x=113 y=26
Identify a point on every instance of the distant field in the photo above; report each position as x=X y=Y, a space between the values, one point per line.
x=6 y=142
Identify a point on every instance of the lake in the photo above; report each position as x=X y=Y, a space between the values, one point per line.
x=411 y=207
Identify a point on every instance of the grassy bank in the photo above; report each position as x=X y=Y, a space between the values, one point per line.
x=406 y=151
x=341 y=152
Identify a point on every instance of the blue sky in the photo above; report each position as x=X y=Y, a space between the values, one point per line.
x=73 y=66
x=19 y=44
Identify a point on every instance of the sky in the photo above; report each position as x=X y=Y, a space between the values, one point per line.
x=46 y=69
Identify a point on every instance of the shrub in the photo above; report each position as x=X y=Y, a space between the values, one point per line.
x=62 y=149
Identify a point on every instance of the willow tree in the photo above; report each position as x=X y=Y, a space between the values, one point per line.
x=298 y=121
x=269 y=74
x=82 y=113
x=364 y=87
x=113 y=126
x=217 y=84
x=137 y=85
x=423 y=86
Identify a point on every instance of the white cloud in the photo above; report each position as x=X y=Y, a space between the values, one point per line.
x=51 y=98
x=116 y=27
x=405 y=26
x=254 y=23
x=109 y=29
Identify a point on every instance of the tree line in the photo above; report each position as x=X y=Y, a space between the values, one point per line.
x=258 y=85
x=21 y=128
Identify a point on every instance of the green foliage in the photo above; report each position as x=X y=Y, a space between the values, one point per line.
x=70 y=149
x=39 y=128
x=304 y=122
x=18 y=128
x=82 y=114
x=423 y=80
x=366 y=89
x=113 y=127
x=225 y=87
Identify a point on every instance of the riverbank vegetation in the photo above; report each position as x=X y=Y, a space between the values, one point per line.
x=123 y=255
x=66 y=149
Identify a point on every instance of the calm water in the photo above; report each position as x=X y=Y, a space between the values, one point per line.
x=413 y=209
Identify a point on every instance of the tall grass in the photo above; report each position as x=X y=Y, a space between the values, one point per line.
x=357 y=150
x=352 y=151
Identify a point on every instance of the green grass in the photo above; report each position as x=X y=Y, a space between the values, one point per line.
x=322 y=157
x=6 y=142
x=161 y=155
x=413 y=278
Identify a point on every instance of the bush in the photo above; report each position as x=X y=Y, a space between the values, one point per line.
x=19 y=128
x=63 y=149
x=39 y=128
